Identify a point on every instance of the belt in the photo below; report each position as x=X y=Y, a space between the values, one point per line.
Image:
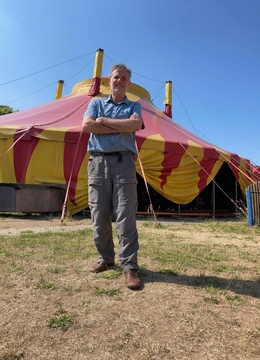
x=113 y=153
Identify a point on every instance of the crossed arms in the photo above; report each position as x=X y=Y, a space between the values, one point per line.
x=104 y=125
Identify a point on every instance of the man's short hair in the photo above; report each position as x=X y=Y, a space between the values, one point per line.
x=120 y=66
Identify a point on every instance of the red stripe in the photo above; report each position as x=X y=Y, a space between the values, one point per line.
x=171 y=161
x=23 y=151
x=69 y=158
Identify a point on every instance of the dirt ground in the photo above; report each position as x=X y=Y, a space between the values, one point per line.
x=199 y=314
x=14 y=225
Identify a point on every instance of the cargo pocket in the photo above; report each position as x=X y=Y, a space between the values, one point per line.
x=94 y=189
x=95 y=178
x=127 y=189
x=96 y=167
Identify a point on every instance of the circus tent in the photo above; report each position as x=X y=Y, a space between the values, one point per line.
x=44 y=147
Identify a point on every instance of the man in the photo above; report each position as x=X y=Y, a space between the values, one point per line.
x=112 y=123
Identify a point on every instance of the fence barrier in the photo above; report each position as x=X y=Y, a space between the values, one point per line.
x=253 y=203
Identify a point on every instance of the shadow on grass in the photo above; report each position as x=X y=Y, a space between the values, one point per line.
x=242 y=287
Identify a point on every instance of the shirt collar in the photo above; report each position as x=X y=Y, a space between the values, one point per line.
x=124 y=101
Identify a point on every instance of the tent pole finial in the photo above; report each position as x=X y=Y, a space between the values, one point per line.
x=59 y=89
x=168 y=99
x=95 y=87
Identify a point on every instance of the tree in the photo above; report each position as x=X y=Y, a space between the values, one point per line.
x=5 y=110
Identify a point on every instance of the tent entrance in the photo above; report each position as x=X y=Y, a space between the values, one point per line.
x=213 y=200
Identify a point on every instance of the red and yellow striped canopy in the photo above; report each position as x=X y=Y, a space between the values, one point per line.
x=44 y=146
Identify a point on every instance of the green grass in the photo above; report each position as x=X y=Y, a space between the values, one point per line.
x=164 y=245
x=111 y=274
x=108 y=292
x=234 y=300
x=16 y=267
x=189 y=255
x=54 y=270
x=221 y=268
x=143 y=271
x=59 y=247
x=201 y=289
x=174 y=249
x=208 y=282
x=60 y=320
x=46 y=285
x=13 y=356
x=211 y=299
x=169 y=272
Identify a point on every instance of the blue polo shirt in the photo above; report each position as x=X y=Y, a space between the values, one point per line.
x=105 y=107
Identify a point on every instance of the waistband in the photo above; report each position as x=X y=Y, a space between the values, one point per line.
x=112 y=153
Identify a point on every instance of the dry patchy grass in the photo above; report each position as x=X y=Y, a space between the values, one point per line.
x=199 y=300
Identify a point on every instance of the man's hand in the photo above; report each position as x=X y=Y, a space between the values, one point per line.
x=96 y=126
x=121 y=125
x=101 y=120
x=135 y=117
x=104 y=125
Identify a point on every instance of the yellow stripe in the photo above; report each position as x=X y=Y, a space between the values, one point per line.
x=46 y=164
x=7 y=174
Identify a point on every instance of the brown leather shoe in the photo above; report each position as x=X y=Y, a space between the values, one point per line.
x=132 y=280
x=99 y=267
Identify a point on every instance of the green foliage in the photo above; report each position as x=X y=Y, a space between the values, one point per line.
x=60 y=320
x=4 y=110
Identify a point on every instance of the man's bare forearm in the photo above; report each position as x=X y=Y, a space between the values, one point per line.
x=134 y=123
x=96 y=128
x=104 y=125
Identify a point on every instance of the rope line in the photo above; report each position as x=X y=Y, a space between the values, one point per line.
x=50 y=67
x=15 y=142
x=64 y=205
x=213 y=180
x=81 y=69
x=239 y=170
x=44 y=124
x=158 y=92
x=146 y=186
x=45 y=87
x=65 y=116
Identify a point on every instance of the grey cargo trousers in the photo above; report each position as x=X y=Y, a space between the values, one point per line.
x=112 y=193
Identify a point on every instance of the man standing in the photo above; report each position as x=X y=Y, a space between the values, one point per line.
x=112 y=123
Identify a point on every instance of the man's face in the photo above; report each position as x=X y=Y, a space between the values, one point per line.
x=119 y=82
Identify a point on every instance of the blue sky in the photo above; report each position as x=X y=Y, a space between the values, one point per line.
x=209 y=49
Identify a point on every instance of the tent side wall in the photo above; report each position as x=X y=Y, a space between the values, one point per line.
x=34 y=174
x=30 y=199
